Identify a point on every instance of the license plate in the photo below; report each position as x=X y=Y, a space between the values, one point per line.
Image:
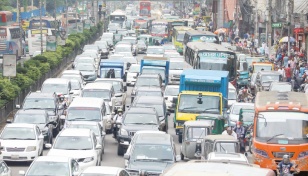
x=15 y=156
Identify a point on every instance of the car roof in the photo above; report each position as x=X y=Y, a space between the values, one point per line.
x=84 y=123
x=102 y=170
x=220 y=137
x=56 y=81
x=98 y=85
x=31 y=111
x=86 y=102
x=149 y=89
x=141 y=110
x=149 y=100
x=40 y=95
x=227 y=156
x=155 y=47
x=61 y=159
x=75 y=132
x=172 y=86
x=148 y=75
x=124 y=45
x=149 y=131
x=129 y=38
x=154 y=139
x=77 y=72
x=108 y=79
x=25 y=125
x=199 y=123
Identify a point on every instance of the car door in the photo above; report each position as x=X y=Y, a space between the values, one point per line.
x=4 y=169
x=40 y=142
x=74 y=167
x=98 y=151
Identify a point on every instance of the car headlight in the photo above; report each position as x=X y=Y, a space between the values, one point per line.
x=118 y=103
x=123 y=132
x=31 y=148
x=88 y=159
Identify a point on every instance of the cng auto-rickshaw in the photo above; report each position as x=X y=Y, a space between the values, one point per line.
x=145 y=38
x=217 y=121
x=152 y=40
x=242 y=79
x=193 y=133
x=219 y=143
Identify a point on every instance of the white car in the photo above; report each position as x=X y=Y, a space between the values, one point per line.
x=171 y=91
x=129 y=149
x=155 y=51
x=53 y=165
x=80 y=144
x=76 y=88
x=4 y=169
x=234 y=111
x=132 y=74
x=21 y=142
x=236 y=158
x=104 y=170
x=232 y=95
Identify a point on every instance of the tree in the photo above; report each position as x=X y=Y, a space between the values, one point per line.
x=4 y=3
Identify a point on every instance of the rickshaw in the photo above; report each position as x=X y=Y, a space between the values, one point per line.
x=145 y=38
x=153 y=39
x=219 y=143
x=192 y=132
x=117 y=38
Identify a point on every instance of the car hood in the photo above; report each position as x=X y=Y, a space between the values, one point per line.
x=18 y=143
x=87 y=73
x=158 y=167
x=175 y=72
x=134 y=127
x=71 y=153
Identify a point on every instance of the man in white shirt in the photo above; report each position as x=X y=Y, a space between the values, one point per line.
x=230 y=132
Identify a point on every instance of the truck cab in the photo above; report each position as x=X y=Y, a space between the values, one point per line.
x=112 y=69
x=155 y=65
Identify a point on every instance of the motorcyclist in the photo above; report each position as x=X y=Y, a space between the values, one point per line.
x=117 y=119
x=229 y=131
x=284 y=167
x=240 y=131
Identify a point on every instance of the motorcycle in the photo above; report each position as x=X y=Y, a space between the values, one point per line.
x=248 y=139
x=289 y=174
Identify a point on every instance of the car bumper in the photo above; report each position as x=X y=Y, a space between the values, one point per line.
x=19 y=156
x=104 y=55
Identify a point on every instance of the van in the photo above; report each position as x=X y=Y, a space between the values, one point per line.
x=87 y=109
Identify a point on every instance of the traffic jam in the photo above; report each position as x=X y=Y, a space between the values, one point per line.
x=161 y=94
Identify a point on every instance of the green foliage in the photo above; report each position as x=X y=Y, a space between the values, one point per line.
x=34 y=68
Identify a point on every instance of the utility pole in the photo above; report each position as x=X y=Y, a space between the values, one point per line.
x=66 y=17
x=20 y=48
x=55 y=10
x=269 y=34
x=290 y=10
x=41 y=30
x=256 y=20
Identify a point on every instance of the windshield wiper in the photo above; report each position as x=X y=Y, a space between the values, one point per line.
x=137 y=123
x=209 y=109
x=153 y=160
x=187 y=108
x=274 y=137
x=149 y=123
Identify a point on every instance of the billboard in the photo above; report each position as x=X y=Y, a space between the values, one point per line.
x=51 y=43
x=9 y=65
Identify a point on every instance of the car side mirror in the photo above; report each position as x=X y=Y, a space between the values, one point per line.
x=48 y=146
x=9 y=121
x=126 y=156
x=62 y=117
x=98 y=147
x=41 y=137
x=21 y=172
x=17 y=106
x=71 y=92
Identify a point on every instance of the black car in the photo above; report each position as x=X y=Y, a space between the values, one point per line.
x=136 y=119
x=38 y=117
x=155 y=102
x=147 y=80
x=49 y=102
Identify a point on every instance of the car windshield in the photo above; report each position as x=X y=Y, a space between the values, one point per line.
x=85 y=60
x=292 y=126
x=134 y=69
x=168 y=47
x=270 y=78
x=39 y=103
x=258 y=68
x=52 y=88
x=107 y=73
x=49 y=168
x=171 y=91
x=176 y=65
x=80 y=143
x=153 y=152
x=84 y=114
x=226 y=147
x=75 y=85
x=30 y=118
x=90 y=47
x=74 y=77
x=119 y=49
x=144 y=81
x=149 y=93
x=94 y=128
x=116 y=57
x=248 y=116
x=141 y=43
x=151 y=70
x=231 y=95
x=18 y=133
x=159 y=108
x=131 y=118
x=155 y=50
x=189 y=104
x=180 y=37
x=85 y=67
x=281 y=87
x=236 y=108
x=131 y=41
x=105 y=94
x=117 y=86
x=159 y=29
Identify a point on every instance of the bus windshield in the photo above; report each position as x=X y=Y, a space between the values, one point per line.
x=189 y=103
x=117 y=18
x=180 y=37
x=204 y=38
x=293 y=126
x=213 y=61
x=159 y=29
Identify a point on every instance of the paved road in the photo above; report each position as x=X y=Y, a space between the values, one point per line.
x=110 y=157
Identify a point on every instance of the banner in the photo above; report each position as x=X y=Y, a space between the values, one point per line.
x=87 y=24
x=9 y=65
x=51 y=43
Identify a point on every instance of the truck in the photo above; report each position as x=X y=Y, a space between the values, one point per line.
x=200 y=92
x=112 y=69
x=159 y=65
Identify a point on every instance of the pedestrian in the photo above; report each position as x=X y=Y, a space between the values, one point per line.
x=230 y=132
x=288 y=73
x=281 y=71
x=296 y=72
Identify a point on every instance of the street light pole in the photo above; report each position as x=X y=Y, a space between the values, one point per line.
x=20 y=49
x=41 y=30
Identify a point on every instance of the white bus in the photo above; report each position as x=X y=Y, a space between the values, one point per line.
x=9 y=41
x=34 y=39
